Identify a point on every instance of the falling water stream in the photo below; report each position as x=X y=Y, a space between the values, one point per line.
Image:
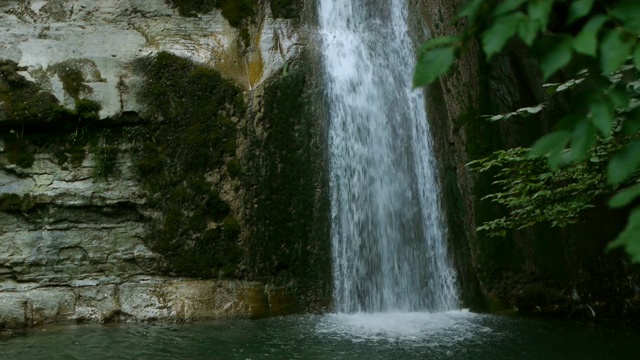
x=388 y=236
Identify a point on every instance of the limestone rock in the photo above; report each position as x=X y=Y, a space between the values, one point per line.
x=146 y=299
x=72 y=243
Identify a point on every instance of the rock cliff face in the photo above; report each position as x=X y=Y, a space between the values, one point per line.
x=166 y=160
x=562 y=273
x=144 y=145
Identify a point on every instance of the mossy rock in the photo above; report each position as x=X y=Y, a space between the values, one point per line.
x=43 y=122
x=236 y=11
x=231 y=227
x=16 y=203
x=72 y=76
x=18 y=152
x=88 y=109
x=190 y=135
x=24 y=103
x=104 y=149
x=289 y=240
x=233 y=168
x=286 y=9
x=191 y=8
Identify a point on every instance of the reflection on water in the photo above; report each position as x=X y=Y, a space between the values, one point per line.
x=449 y=335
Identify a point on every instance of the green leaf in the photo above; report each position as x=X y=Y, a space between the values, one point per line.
x=432 y=64
x=471 y=9
x=631 y=123
x=559 y=157
x=582 y=139
x=549 y=143
x=624 y=163
x=625 y=197
x=628 y=11
x=507 y=6
x=438 y=42
x=503 y=28
x=579 y=9
x=629 y=238
x=528 y=30
x=636 y=57
x=614 y=50
x=587 y=40
x=557 y=55
x=539 y=11
x=619 y=98
x=602 y=117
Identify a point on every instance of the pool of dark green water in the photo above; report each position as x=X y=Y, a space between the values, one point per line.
x=451 y=335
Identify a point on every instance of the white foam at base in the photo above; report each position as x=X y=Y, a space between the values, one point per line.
x=426 y=328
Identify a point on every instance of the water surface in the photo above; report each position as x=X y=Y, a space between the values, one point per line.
x=450 y=335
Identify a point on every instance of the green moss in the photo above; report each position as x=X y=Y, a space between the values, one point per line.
x=233 y=168
x=104 y=149
x=72 y=79
x=88 y=109
x=231 y=227
x=236 y=11
x=77 y=153
x=18 y=152
x=43 y=122
x=192 y=8
x=16 y=203
x=286 y=9
x=82 y=134
x=290 y=240
x=24 y=102
x=201 y=251
x=191 y=134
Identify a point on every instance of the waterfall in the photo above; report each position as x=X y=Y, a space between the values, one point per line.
x=389 y=240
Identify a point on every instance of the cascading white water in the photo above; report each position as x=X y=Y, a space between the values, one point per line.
x=388 y=236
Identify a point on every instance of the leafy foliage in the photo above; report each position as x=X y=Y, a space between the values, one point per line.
x=596 y=42
x=534 y=193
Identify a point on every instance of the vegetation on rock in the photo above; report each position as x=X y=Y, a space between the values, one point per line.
x=286 y=9
x=105 y=150
x=192 y=7
x=593 y=149
x=233 y=168
x=290 y=240
x=30 y=112
x=191 y=135
x=72 y=80
x=16 y=203
x=236 y=11
x=22 y=101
